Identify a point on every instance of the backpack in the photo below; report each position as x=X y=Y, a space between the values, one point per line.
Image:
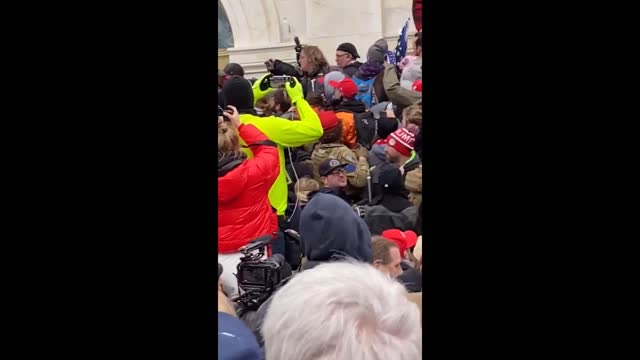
x=366 y=127
x=366 y=93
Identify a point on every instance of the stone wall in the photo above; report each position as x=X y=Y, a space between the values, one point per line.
x=264 y=29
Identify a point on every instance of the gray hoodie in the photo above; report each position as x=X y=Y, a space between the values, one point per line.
x=377 y=51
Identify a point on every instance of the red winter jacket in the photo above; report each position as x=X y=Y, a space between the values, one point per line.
x=244 y=211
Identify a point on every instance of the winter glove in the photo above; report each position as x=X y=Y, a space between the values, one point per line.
x=282 y=68
x=294 y=90
x=261 y=88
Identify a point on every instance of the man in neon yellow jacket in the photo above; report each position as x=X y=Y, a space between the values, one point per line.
x=285 y=133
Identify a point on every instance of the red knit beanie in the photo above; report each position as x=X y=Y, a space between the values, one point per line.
x=402 y=140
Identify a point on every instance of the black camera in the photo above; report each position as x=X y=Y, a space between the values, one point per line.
x=258 y=277
x=220 y=111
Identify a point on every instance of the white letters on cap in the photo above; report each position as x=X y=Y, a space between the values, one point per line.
x=403 y=136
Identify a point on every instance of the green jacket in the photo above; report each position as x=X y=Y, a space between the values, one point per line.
x=285 y=133
x=396 y=93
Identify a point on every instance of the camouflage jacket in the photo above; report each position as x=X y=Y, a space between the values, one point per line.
x=357 y=178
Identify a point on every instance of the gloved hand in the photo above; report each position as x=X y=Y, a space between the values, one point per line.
x=261 y=88
x=294 y=90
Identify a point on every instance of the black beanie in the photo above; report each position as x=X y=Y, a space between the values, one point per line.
x=386 y=126
x=237 y=92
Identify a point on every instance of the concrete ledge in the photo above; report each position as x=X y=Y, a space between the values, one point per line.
x=252 y=58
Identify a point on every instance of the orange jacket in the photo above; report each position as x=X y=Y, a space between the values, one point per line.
x=348 y=128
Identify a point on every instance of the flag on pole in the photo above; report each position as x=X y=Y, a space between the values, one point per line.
x=401 y=48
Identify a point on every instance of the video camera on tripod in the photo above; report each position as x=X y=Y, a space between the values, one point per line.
x=257 y=277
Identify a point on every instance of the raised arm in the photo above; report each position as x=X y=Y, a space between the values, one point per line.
x=294 y=133
x=397 y=94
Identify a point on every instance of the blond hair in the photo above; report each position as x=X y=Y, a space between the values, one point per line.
x=413 y=114
x=228 y=138
x=270 y=103
x=413 y=183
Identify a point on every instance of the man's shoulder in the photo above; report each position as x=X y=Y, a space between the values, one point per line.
x=343 y=153
x=330 y=147
x=412 y=164
x=268 y=125
x=256 y=120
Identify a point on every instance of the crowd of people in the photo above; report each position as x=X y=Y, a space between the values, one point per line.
x=326 y=161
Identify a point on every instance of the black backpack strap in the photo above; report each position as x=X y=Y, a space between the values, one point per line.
x=264 y=143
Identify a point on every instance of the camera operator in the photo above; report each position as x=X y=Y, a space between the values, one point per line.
x=285 y=133
x=244 y=212
x=330 y=231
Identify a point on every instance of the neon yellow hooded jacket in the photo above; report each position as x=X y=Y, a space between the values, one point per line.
x=285 y=133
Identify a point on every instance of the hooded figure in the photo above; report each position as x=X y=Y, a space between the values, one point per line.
x=375 y=60
x=377 y=51
x=331 y=231
x=374 y=69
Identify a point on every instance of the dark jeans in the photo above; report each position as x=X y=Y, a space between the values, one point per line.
x=278 y=245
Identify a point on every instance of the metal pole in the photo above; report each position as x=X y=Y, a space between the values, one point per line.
x=369 y=183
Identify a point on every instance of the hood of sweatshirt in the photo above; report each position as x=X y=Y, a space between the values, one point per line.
x=330 y=229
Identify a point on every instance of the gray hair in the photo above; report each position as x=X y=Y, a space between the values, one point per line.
x=342 y=311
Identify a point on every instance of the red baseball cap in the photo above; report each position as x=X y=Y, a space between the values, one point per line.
x=328 y=120
x=346 y=86
x=404 y=240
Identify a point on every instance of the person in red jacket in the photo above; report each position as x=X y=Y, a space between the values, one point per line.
x=244 y=211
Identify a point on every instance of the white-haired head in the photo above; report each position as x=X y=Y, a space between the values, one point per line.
x=342 y=311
